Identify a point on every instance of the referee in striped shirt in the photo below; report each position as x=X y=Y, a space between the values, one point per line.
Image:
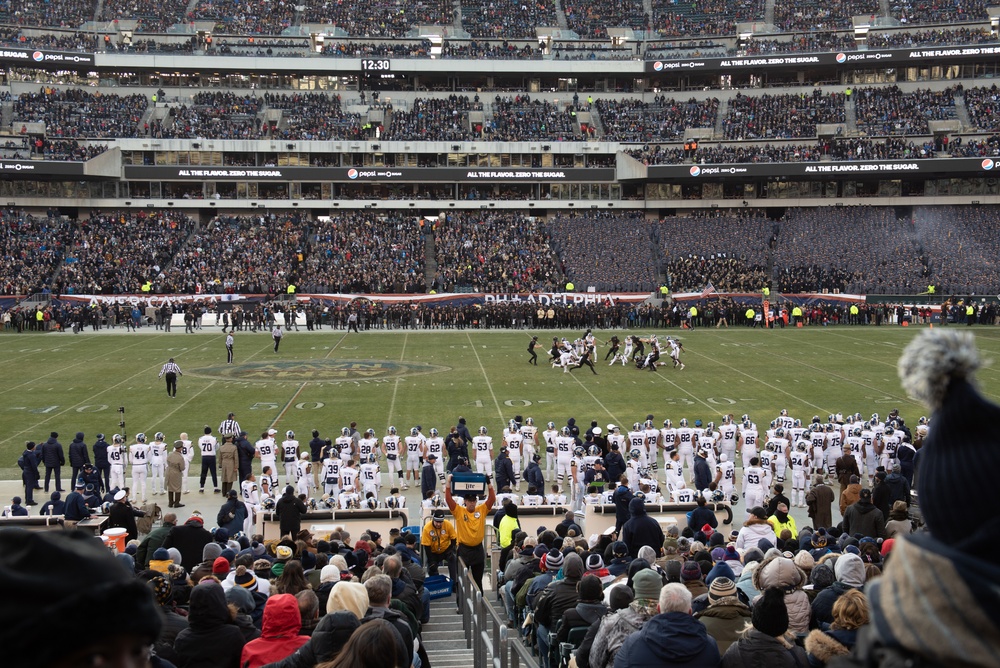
x=171 y=370
x=229 y=426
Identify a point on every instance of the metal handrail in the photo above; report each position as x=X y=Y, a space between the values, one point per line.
x=505 y=648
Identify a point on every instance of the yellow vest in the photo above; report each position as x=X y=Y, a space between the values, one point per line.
x=438 y=540
x=508 y=525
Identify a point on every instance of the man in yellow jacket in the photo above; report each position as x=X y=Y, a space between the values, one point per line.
x=781 y=520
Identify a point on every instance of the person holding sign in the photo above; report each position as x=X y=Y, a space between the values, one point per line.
x=470 y=525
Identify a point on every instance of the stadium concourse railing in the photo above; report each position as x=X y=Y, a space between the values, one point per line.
x=486 y=634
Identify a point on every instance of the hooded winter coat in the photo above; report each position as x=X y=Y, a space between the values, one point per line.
x=757 y=650
x=329 y=636
x=582 y=615
x=781 y=572
x=864 y=518
x=560 y=595
x=849 y=496
x=850 y=573
x=824 y=646
x=211 y=640
x=279 y=637
x=753 y=530
x=641 y=529
x=725 y=621
x=669 y=639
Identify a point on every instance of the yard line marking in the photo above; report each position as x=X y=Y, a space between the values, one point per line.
x=395 y=385
x=295 y=396
x=700 y=401
x=183 y=404
x=596 y=400
x=489 y=385
x=985 y=367
x=35 y=379
x=765 y=384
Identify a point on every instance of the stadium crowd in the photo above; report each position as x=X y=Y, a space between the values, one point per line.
x=79 y=113
x=808 y=254
x=813 y=15
x=507 y=19
x=610 y=251
x=728 y=251
x=664 y=119
x=890 y=111
x=117 y=251
x=781 y=116
x=496 y=252
x=434 y=119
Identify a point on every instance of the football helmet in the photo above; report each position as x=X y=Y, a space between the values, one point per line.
x=370 y=433
x=289 y=434
x=565 y=431
x=313 y=504
x=857 y=431
x=330 y=502
x=779 y=432
x=875 y=417
x=829 y=427
x=512 y=426
x=815 y=419
x=801 y=446
x=774 y=423
x=746 y=424
x=783 y=412
x=391 y=430
x=371 y=503
x=117 y=438
x=922 y=420
x=648 y=424
x=392 y=502
x=483 y=431
x=414 y=431
x=770 y=446
x=140 y=438
x=717 y=496
x=267 y=504
x=158 y=436
x=594 y=451
x=434 y=431
x=888 y=430
x=727 y=419
x=734 y=498
x=830 y=417
x=709 y=428
x=745 y=418
x=345 y=431
x=105 y=507
x=667 y=423
x=684 y=422
x=894 y=424
x=578 y=451
x=797 y=423
x=636 y=426
x=551 y=425
x=634 y=454
x=530 y=422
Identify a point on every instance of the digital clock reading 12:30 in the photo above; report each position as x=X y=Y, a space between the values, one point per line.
x=375 y=65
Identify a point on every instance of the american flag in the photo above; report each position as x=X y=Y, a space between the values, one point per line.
x=709 y=289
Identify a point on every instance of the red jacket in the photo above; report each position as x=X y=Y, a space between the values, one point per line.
x=280 y=633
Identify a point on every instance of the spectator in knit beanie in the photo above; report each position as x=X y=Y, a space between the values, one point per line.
x=937 y=601
x=726 y=616
x=766 y=642
x=57 y=577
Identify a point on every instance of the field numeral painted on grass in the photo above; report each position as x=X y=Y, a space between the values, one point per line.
x=684 y=401
x=511 y=403
x=302 y=406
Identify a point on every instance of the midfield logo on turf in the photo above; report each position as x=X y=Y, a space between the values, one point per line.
x=319 y=370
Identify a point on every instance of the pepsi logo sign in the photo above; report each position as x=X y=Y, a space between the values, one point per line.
x=695 y=171
x=841 y=58
x=38 y=56
x=987 y=163
x=657 y=66
x=352 y=173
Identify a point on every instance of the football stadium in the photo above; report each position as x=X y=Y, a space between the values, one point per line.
x=640 y=333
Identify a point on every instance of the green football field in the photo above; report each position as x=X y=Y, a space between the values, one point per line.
x=324 y=380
